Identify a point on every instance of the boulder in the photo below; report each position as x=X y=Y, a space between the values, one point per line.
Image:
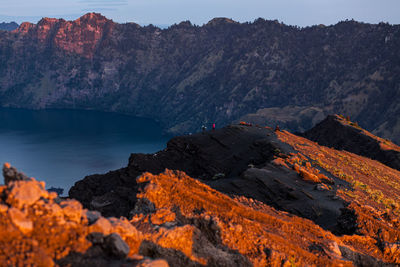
x=115 y=246
x=19 y=219
x=24 y=193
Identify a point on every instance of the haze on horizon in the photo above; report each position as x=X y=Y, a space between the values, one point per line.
x=168 y=12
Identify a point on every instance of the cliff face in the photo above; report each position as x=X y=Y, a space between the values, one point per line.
x=78 y=37
x=187 y=75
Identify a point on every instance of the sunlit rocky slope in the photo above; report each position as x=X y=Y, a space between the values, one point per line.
x=243 y=195
x=187 y=75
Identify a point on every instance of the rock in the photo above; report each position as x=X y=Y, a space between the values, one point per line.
x=162 y=216
x=72 y=210
x=101 y=225
x=143 y=206
x=392 y=248
x=333 y=246
x=153 y=263
x=92 y=216
x=307 y=176
x=321 y=187
x=3 y=208
x=325 y=179
x=280 y=162
x=24 y=193
x=11 y=174
x=20 y=220
x=96 y=238
x=123 y=226
x=218 y=176
x=115 y=246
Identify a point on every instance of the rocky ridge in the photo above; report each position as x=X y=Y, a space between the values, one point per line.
x=8 y=26
x=186 y=75
x=342 y=134
x=350 y=196
x=176 y=218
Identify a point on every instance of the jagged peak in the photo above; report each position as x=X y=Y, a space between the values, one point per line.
x=24 y=27
x=221 y=20
x=47 y=20
x=93 y=16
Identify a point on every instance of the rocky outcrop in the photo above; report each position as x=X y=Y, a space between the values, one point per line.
x=348 y=195
x=178 y=221
x=39 y=229
x=80 y=36
x=258 y=197
x=186 y=75
x=254 y=162
x=342 y=134
x=237 y=160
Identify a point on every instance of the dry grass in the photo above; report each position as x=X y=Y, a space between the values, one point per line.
x=376 y=181
x=242 y=228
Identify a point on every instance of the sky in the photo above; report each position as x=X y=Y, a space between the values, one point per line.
x=167 y=12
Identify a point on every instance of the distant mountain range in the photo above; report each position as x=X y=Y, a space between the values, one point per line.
x=185 y=76
x=8 y=26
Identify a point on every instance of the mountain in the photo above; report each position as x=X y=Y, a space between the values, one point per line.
x=351 y=196
x=342 y=134
x=242 y=195
x=186 y=76
x=8 y=26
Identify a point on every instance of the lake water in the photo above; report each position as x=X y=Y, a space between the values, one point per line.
x=61 y=147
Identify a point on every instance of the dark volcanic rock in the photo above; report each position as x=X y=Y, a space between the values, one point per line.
x=342 y=134
x=235 y=160
x=226 y=151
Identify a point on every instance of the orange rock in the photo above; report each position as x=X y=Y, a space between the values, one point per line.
x=72 y=210
x=162 y=216
x=324 y=178
x=102 y=225
x=280 y=162
x=19 y=219
x=307 y=176
x=24 y=193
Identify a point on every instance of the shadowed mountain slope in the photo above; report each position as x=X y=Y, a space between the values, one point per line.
x=342 y=134
x=185 y=76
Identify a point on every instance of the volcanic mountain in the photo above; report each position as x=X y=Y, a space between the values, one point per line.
x=188 y=75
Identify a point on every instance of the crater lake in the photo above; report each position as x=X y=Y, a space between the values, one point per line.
x=61 y=147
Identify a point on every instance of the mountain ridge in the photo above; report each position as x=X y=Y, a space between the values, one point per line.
x=186 y=76
x=351 y=196
x=255 y=197
x=8 y=26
